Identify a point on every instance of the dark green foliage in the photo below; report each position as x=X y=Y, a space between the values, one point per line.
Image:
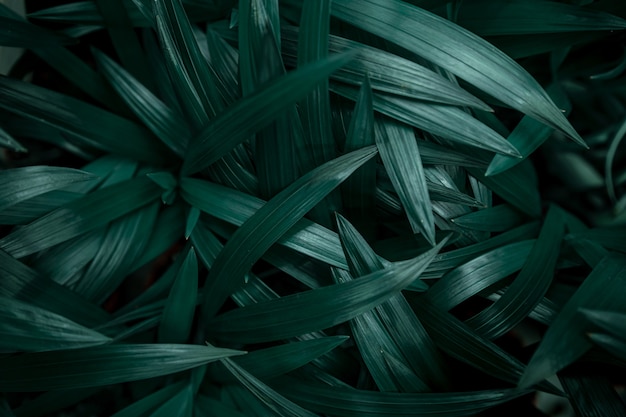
x=312 y=207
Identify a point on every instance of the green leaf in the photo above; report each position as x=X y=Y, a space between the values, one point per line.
x=208 y=407
x=8 y=142
x=529 y=134
x=165 y=123
x=461 y=342
x=278 y=360
x=315 y=108
x=181 y=303
x=52 y=401
x=458 y=51
x=24 y=284
x=499 y=218
x=609 y=321
x=327 y=306
x=376 y=346
x=236 y=208
x=260 y=62
x=611 y=238
x=101 y=365
x=84 y=13
x=149 y=403
x=358 y=194
x=592 y=396
x=400 y=155
x=271 y=222
x=19 y=34
x=28 y=328
x=344 y=402
x=125 y=42
x=520 y=17
x=187 y=67
x=252 y=113
x=179 y=405
x=394 y=318
x=20 y=184
x=565 y=340
x=89 y=125
x=478 y=274
x=387 y=72
x=80 y=216
x=517 y=186
x=121 y=246
x=441 y=120
x=279 y=405
x=614 y=345
x=530 y=285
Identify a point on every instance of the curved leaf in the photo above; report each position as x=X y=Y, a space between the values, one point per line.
x=474 y=276
x=565 y=340
x=87 y=124
x=250 y=114
x=398 y=150
x=160 y=119
x=271 y=221
x=178 y=313
x=101 y=365
x=279 y=405
x=80 y=216
x=236 y=208
x=458 y=51
x=327 y=306
x=20 y=184
x=530 y=285
x=343 y=402
x=517 y=17
x=27 y=328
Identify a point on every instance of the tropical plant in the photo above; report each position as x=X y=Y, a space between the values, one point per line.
x=313 y=207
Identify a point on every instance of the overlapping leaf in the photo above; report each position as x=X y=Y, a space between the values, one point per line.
x=457 y=50
x=27 y=328
x=565 y=340
x=249 y=115
x=101 y=365
x=520 y=17
x=400 y=155
x=80 y=216
x=351 y=402
x=271 y=221
x=19 y=184
x=160 y=119
x=89 y=125
x=326 y=306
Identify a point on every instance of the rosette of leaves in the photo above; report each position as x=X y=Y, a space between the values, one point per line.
x=312 y=207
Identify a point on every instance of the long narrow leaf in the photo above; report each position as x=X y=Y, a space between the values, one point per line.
x=279 y=405
x=271 y=221
x=160 y=119
x=21 y=184
x=236 y=208
x=457 y=50
x=328 y=306
x=89 y=125
x=530 y=285
x=565 y=340
x=101 y=365
x=249 y=115
x=27 y=328
x=400 y=155
x=22 y=283
x=351 y=402
x=80 y=216
x=181 y=303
